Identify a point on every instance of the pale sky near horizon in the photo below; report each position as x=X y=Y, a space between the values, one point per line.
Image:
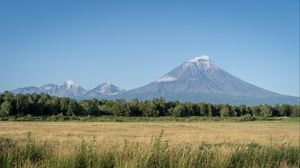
x=131 y=43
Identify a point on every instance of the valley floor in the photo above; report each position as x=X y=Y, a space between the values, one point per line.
x=150 y=144
x=262 y=132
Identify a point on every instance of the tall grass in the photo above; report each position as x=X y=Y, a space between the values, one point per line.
x=158 y=154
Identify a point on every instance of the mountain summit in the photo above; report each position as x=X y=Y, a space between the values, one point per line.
x=193 y=69
x=70 y=84
x=103 y=90
x=198 y=79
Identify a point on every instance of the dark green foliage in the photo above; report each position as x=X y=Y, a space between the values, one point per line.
x=45 y=105
x=120 y=108
x=296 y=111
x=134 y=108
x=178 y=111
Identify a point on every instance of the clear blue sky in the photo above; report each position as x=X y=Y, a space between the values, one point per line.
x=131 y=43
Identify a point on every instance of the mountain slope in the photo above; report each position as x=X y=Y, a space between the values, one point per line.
x=25 y=90
x=200 y=80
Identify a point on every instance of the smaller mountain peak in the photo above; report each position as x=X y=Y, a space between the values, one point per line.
x=106 y=84
x=106 y=89
x=200 y=58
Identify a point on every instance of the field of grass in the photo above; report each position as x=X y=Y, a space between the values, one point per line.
x=150 y=144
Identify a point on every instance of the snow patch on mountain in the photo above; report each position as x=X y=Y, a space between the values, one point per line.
x=70 y=83
x=104 y=88
x=200 y=58
x=48 y=88
x=166 y=79
x=202 y=62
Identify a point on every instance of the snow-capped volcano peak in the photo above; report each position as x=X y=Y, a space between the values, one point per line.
x=196 y=68
x=203 y=58
x=70 y=83
x=202 y=62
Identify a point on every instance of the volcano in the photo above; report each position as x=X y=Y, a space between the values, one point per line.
x=199 y=80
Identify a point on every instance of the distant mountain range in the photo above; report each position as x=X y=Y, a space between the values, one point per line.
x=196 y=80
x=70 y=89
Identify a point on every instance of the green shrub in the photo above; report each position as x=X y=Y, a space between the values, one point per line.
x=247 y=117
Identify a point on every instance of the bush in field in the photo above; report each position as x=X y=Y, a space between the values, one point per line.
x=84 y=157
x=247 y=117
x=33 y=152
x=5 y=109
x=15 y=155
x=158 y=156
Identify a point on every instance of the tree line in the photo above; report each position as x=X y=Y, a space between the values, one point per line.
x=46 y=105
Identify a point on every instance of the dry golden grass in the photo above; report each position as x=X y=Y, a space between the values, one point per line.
x=69 y=133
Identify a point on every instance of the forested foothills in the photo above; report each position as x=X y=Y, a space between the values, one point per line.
x=45 y=105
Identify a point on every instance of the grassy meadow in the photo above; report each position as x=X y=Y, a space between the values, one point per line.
x=150 y=144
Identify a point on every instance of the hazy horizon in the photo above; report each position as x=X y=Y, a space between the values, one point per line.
x=132 y=43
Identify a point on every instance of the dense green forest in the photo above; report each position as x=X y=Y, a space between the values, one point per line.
x=46 y=105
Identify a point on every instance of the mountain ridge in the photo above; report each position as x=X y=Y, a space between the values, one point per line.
x=70 y=89
x=196 y=80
